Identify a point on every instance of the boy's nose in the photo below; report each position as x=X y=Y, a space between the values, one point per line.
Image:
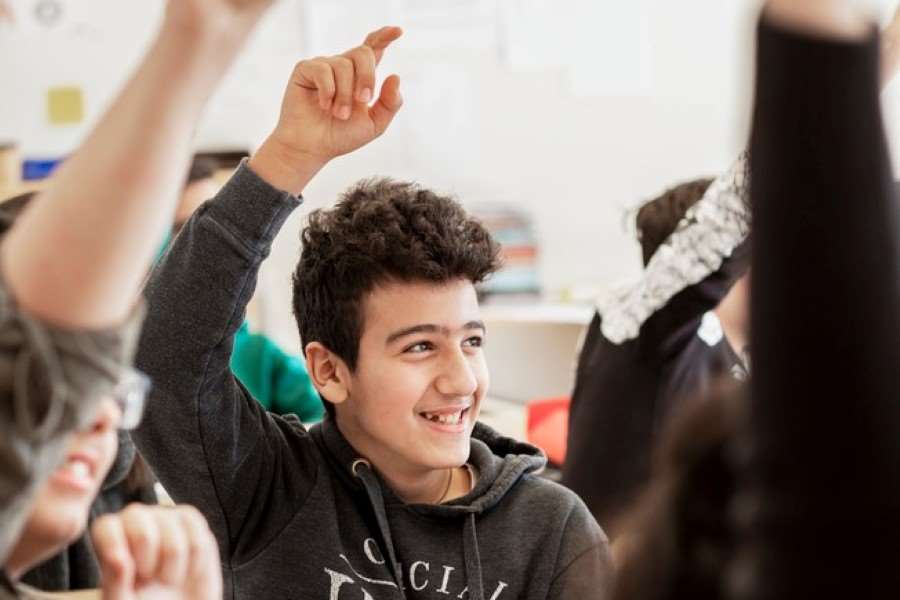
x=457 y=377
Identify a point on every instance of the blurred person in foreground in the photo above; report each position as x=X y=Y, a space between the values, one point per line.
x=69 y=320
x=790 y=487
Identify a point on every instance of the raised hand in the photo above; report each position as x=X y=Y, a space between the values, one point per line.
x=5 y=12
x=890 y=49
x=157 y=553
x=839 y=19
x=327 y=111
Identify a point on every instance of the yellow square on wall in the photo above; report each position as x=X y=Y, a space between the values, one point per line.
x=65 y=105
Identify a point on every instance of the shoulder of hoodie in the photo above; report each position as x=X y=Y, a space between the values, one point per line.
x=557 y=516
x=535 y=495
x=551 y=498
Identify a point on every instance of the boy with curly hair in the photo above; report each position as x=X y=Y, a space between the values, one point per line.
x=399 y=493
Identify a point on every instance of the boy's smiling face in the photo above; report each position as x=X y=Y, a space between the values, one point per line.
x=421 y=375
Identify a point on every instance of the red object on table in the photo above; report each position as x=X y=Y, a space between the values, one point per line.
x=547 y=426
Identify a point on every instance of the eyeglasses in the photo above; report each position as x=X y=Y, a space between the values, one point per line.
x=130 y=395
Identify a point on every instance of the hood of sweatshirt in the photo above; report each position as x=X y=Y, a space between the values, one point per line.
x=499 y=462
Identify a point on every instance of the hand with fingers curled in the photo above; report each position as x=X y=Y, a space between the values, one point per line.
x=329 y=109
x=157 y=553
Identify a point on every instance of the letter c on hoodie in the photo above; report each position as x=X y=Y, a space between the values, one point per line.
x=371 y=548
x=412 y=575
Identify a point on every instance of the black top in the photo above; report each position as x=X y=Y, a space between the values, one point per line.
x=656 y=345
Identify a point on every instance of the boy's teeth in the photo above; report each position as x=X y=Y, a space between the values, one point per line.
x=79 y=469
x=452 y=419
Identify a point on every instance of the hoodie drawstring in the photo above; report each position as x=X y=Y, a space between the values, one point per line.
x=363 y=470
x=474 y=578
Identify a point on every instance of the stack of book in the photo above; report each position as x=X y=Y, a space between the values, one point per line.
x=513 y=228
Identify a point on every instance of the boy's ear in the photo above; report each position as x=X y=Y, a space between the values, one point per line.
x=329 y=373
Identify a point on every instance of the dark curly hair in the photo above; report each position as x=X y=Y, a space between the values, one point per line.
x=381 y=231
x=657 y=219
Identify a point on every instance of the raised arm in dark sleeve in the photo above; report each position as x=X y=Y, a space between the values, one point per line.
x=822 y=496
x=208 y=441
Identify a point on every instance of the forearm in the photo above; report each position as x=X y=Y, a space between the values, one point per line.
x=825 y=279
x=825 y=323
x=78 y=256
x=283 y=168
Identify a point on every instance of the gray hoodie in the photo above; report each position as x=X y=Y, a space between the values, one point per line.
x=293 y=517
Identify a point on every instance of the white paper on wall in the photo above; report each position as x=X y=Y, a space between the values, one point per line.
x=447 y=24
x=245 y=107
x=437 y=118
x=603 y=46
x=332 y=26
x=534 y=33
x=611 y=49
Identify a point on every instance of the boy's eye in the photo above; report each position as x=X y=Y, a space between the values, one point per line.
x=419 y=347
x=476 y=341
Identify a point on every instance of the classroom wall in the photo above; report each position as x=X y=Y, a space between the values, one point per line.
x=573 y=120
x=94 y=45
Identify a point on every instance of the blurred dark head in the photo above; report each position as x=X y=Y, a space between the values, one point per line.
x=199 y=187
x=679 y=540
x=202 y=167
x=657 y=219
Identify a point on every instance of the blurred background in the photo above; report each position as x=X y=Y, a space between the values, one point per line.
x=551 y=119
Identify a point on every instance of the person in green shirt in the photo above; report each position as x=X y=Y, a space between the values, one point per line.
x=276 y=379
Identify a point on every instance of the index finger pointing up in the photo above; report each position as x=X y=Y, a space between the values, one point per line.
x=380 y=39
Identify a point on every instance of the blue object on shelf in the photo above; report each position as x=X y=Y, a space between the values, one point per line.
x=38 y=169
